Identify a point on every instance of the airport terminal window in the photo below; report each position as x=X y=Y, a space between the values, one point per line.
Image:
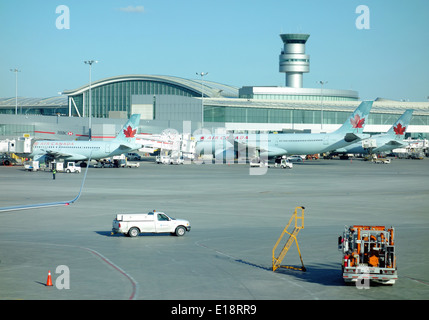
x=334 y=117
x=236 y=114
x=279 y=116
x=267 y=115
x=420 y=120
x=294 y=97
x=117 y=96
x=304 y=116
x=257 y=115
x=214 y=114
x=12 y=129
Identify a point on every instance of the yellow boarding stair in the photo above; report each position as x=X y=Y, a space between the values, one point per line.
x=292 y=238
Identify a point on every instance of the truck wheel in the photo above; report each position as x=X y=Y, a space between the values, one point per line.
x=133 y=232
x=68 y=171
x=180 y=231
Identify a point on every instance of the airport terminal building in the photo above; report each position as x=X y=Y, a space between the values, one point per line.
x=170 y=102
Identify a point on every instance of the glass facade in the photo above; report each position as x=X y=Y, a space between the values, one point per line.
x=36 y=110
x=294 y=97
x=117 y=96
x=14 y=130
x=267 y=115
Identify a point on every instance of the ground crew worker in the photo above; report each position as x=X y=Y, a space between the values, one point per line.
x=54 y=171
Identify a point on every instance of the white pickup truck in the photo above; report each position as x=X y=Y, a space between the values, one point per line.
x=153 y=222
x=65 y=167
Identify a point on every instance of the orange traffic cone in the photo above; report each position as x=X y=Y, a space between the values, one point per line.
x=49 y=281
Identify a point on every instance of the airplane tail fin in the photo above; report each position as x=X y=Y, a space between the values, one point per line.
x=356 y=122
x=129 y=130
x=400 y=126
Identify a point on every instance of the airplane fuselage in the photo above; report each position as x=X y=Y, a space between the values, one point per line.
x=77 y=150
x=273 y=144
x=383 y=144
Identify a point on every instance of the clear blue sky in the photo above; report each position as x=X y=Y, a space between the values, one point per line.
x=236 y=41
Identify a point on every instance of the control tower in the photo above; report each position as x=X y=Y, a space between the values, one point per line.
x=293 y=60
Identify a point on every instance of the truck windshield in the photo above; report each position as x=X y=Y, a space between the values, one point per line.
x=162 y=217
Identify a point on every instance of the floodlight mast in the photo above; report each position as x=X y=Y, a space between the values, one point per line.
x=16 y=89
x=90 y=62
x=202 y=74
x=321 y=102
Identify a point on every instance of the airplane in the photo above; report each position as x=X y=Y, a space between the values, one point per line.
x=274 y=145
x=70 y=150
x=385 y=142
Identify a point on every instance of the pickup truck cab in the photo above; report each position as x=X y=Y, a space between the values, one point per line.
x=65 y=167
x=153 y=222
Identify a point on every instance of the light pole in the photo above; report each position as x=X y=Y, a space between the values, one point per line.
x=202 y=74
x=90 y=62
x=16 y=89
x=321 y=103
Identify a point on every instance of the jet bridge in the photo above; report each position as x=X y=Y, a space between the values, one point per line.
x=19 y=145
x=169 y=143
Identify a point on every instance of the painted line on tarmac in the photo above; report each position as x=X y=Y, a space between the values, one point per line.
x=117 y=268
x=134 y=283
x=199 y=244
x=419 y=281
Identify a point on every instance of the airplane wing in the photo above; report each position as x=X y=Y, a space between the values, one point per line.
x=48 y=204
x=388 y=146
x=55 y=154
x=62 y=155
x=350 y=138
x=264 y=150
x=243 y=147
x=394 y=143
x=128 y=147
x=354 y=137
x=273 y=152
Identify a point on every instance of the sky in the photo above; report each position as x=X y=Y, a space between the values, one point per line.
x=236 y=41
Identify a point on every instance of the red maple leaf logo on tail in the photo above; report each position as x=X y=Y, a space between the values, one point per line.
x=357 y=122
x=399 y=129
x=129 y=132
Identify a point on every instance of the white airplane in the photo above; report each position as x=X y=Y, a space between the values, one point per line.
x=79 y=151
x=70 y=150
x=385 y=142
x=273 y=145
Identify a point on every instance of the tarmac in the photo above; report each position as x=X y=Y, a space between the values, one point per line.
x=236 y=218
